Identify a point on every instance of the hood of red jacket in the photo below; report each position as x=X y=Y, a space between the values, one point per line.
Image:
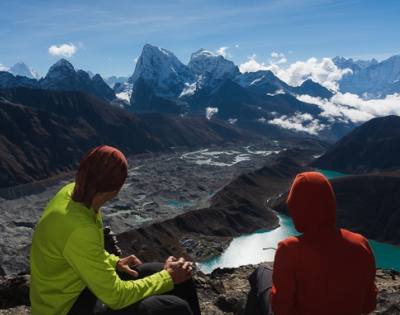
x=312 y=203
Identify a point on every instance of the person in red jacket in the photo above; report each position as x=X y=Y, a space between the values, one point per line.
x=325 y=270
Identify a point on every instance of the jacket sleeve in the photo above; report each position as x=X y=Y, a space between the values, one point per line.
x=113 y=259
x=284 y=284
x=96 y=268
x=372 y=291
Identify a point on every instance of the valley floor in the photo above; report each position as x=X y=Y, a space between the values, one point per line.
x=159 y=186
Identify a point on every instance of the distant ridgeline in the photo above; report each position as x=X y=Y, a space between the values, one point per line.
x=209 y=85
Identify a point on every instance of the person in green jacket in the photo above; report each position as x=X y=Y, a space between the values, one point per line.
x=72 y=273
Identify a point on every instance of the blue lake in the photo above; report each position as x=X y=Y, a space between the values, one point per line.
x=259 y=246
x=178 y=203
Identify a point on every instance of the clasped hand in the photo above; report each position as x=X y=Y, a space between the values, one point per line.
x=179 y=269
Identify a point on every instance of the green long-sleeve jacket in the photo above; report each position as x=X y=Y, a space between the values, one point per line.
x=67 y=255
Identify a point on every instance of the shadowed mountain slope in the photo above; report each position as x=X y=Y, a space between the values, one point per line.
x=43 y=133
x=373 y=146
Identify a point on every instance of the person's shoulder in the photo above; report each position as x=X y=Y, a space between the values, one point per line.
x=66 y=190
x=352 y=236
x=291 y=241
x=355 y=239
x=63 y=194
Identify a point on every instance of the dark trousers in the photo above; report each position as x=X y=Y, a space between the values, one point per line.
x=260 y=287
x=182 y=300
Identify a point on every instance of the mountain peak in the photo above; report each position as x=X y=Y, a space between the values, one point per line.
x=202 y=53
x=61 y=69
x=149 y=50
x=21 y=69
x=212 y=66
x=64 y=63
x=162 y=70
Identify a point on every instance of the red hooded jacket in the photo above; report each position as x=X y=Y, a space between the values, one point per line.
x=326 y=270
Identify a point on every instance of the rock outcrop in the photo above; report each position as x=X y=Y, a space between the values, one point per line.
x=222 y=292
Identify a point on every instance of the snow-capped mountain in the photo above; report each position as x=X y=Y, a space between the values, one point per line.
x=160 y=78
x=162 y=83
x=20 y=68
x=354 y=65
x=211 y=68
x=161 y=71
x=371 y=79
x=262 y=82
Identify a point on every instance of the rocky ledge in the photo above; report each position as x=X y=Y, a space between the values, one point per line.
x=222 y=292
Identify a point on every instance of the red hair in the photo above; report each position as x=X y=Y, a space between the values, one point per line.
x=102 y=169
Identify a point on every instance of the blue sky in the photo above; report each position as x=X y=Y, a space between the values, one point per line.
x=109 y=35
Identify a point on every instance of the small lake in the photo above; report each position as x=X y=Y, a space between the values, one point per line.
x=259 y=246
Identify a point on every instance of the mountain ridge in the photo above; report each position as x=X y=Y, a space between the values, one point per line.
x=372 y=147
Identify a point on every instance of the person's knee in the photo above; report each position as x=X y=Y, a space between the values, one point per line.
x=165 y=305
x=261 y=279
x=182 y=307
x=147 y=269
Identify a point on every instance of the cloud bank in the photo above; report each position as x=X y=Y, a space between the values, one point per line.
x=64 y=50
x=323 y=71
x=301 y=122
x=347 y=107
x=252 y=65
x=341 y=108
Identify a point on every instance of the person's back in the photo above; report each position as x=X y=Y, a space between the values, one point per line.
x=325 y=270
x=73 y=274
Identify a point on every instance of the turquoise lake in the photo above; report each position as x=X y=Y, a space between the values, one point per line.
x=260 y=246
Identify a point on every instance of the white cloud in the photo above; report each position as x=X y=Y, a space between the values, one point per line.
x=237 y=46
x=64 y=50
x=323 y=71
x=211 y=111
x=252 y=65
x=4 y=68
x=189 y=89
x=301 y=122
x=277 y=58
x=349 y=107
x=232 y=121
x=223 y=51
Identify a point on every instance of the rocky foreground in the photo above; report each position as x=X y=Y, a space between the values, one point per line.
x=222 y=292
